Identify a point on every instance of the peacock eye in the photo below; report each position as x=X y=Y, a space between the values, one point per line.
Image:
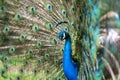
x=26 y=62
x=22 y=37
x=47 y=71
x=31 y=10
x=73 y=9
x=3 y=71
x=3 y=8
x=30 y=52
x=18 y=16
x=66 y=29
x=56 y=61
x=35 y=71
x=18 y=78
x=54 y=41
x=39 y=44
x=46 y=56
x=6 y=30
x=64 y=13
x=35 y=28
x=72 y=25
x=5 y=58
x=49 y=26
x=49 y=7
x=21 y=70
x=39 y=61
x=11 y=50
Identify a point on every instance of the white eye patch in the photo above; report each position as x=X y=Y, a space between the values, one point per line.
x=64 y=36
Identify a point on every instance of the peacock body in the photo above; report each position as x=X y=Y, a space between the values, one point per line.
x=31 y=32
x=69 y=67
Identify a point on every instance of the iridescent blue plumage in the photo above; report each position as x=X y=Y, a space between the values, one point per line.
x=69 y=67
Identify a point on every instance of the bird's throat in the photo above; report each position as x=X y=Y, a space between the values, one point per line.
x=67 y=57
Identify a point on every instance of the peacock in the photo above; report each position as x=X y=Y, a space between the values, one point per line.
x=59 y=40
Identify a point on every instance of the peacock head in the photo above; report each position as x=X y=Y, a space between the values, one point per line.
x=63 y=34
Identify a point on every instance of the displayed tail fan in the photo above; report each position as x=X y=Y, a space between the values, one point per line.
x=31 y=32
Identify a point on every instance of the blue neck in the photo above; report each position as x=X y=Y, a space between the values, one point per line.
x=69 y=68
x=67 y=57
